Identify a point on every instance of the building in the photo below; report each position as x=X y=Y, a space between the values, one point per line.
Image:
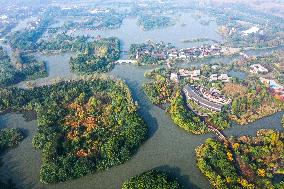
x=244 y=55
x=191 y=93
x=182 y=55
x=184 y=73
x=126 y=62
x=196 y=73
x=213 y=77
x=276 y=89
x=215 y=67
x=173 y=55
x=221 y=77
x=281 y=67
x=257 y=68
x=187 y=73
x=224 y=78
x=174 y=77
x=253 y=29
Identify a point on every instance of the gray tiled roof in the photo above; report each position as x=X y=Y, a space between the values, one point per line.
x=191 y=93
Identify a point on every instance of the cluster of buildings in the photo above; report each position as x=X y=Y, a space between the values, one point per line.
x=187 y=73
x=157 y=50
x=211 y=100
x=195 y=52
x=251 y=30
x=169 y=52
x=194 y=75
x=258 y=69
x=276 y=89
x=219 y=77
x=4 y=18
x=99 y=10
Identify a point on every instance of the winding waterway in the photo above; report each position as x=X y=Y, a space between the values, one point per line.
x=167 y=148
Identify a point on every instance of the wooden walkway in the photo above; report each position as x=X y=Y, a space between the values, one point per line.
x=210 y=126
x=219 y=134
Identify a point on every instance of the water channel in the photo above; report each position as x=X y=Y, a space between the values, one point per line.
x=167 y=148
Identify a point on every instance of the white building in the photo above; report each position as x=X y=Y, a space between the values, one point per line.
x=174 y=77
x=3 y=17
x=221 y=77
x=196 y=73
x=213 y=77
x=224 y=78
x=184 y=73
x=257 y=68
x=173 y=55
x=182 y=55
x=253 y=29
x=187 y=73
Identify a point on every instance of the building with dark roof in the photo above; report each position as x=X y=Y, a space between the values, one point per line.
x=192 y=94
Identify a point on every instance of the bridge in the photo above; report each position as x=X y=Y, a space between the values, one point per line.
x=204 y=116
x=126 y=62
x=220 y=135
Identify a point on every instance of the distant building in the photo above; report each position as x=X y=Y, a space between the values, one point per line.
x=224 y=78
x=182 y=55
x=3 y=17
x=253 y=29
x=184 y=73
x=213 y=77
x=173 y=55
x=215 y=67
x=196 y=73
x=221 y=77
x=275 y=88
x=187 y=73
x=257 y=68
x=126 y=62
x=244 y=55
x=281 y=67
x=174 y=77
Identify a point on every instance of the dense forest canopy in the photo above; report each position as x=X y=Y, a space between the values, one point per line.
x=98 y=56
x=253 y=162
x=83 y=125
x=152 y=179
x=25 y=67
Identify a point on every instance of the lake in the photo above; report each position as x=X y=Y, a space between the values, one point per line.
x=186 y=28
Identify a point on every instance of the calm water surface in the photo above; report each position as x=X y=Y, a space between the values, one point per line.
x=168 y=147
x=57 y=67
x=238 y=74
x=130 y=32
